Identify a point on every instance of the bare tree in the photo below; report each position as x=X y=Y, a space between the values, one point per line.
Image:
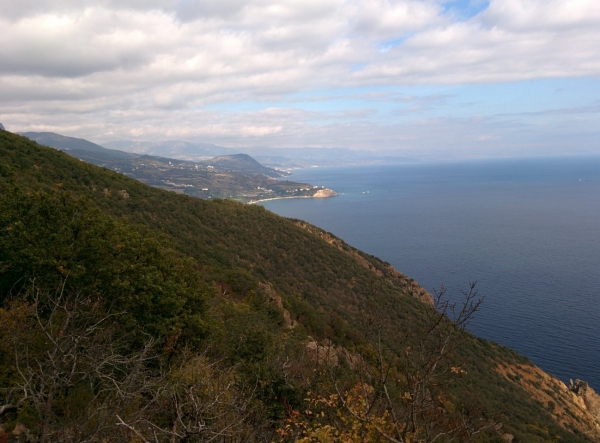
x=401 y=389
x=73 y=371
x=80 y=380
x=198 y=401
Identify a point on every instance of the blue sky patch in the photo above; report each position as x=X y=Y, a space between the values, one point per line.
x=391 y=44
x=465 y=9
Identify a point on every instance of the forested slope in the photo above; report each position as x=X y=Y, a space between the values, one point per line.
x=128 y=312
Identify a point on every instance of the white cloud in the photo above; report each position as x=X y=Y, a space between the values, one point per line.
x=543 y=15
x=136 y=68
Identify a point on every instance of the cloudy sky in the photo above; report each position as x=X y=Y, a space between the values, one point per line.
x=435 y=78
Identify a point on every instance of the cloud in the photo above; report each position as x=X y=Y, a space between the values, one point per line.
x=136 y=68
x=543 y=15
x=77 y=45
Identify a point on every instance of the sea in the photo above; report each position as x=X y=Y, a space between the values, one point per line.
x=527 y=231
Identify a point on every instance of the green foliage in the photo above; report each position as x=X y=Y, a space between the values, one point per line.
x=61 y=242
x=184 y=280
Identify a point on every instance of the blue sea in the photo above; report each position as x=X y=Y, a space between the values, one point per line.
x=528 y=231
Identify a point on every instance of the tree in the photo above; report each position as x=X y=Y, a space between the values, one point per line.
x=196 y=400
x=73 y=370
x=58 y=239
x=401 y=393
x=90 y=308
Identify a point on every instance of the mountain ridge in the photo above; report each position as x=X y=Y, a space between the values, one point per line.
x=280 y=158
x=74 y=144
x=236 y=176
x=180 y=149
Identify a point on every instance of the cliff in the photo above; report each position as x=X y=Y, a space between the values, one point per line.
x=591 y=400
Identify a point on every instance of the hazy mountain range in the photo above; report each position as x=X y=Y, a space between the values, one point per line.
x=223 y=158
x=288 y=158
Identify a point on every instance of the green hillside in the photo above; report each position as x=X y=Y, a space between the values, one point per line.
x=129 y=313
x=230 y=176
x=78 y=147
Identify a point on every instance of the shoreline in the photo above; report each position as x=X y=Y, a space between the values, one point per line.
x=279 y=198
x=321 y=193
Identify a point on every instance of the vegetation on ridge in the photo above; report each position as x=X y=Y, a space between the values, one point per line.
x=236 y=176
x=128 y=313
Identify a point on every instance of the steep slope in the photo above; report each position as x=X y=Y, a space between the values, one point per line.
x=281 y=288
x=238 y=176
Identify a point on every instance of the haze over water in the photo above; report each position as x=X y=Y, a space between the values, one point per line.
x=527 y=230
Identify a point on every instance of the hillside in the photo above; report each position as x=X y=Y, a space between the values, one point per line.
x=128 y=313
x=78 y=147
x=235 y=176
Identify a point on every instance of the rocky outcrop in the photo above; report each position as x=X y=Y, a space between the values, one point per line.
x=322 y=353
x=326 y=353
x=324 y=193
x=591 y=400
x=288 y=321
x=566 y=404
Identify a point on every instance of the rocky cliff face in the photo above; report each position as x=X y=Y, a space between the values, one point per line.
x=574 y=407
x=591 y=400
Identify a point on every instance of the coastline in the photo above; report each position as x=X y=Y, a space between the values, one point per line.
x=279 y=198
x=321 y=193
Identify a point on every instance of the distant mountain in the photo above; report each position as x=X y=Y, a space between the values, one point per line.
x=96 y=154
x=279 y=161
x=172 y=149
x=78 y=147
x=243 y=163
x=306 y=157
x=289 y=158
x=231 y=176
x=2 y=127
x=315 y=154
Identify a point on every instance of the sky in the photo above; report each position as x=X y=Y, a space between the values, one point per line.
x=434 y=79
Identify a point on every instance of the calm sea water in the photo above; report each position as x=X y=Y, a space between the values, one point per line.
x=528 y=231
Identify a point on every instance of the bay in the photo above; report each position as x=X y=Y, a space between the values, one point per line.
x=528 y=231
